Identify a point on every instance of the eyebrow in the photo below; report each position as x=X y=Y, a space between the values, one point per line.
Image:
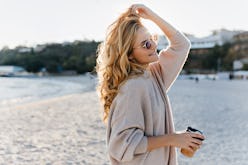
x=143 y=42
x=149 y=37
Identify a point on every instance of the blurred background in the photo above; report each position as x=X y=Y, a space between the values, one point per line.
x=47 y=60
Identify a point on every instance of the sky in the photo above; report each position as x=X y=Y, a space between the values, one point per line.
x=32 y=22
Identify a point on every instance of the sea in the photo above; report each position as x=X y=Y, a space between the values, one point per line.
x=19 y=90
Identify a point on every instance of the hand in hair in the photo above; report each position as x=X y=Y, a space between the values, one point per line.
x=142 y=11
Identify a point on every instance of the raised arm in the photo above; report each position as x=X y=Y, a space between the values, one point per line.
x=172 y=59
x=146 y=13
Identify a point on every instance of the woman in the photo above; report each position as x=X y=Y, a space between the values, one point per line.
x=133 y=82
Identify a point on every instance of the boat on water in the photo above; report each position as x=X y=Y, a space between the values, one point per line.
x=14 y=71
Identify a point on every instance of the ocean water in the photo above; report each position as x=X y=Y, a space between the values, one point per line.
x=220 y=110
x=14 y=91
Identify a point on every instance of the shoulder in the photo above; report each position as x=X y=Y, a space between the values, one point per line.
x=135 y=84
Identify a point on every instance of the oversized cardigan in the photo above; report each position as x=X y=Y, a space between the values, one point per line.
x=142 y=109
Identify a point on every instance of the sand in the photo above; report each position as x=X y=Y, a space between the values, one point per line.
x=64 y=130
x=68 y=129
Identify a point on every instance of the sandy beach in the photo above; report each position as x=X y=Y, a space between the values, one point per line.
x=68 y=130
x=64 y=130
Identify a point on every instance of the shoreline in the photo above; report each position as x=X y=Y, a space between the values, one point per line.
x=22 y=91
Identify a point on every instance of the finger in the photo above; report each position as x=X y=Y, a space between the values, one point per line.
x=137 y=8
x=194 y=146
x=197 y=136
x=196 y=141
x=133 y=9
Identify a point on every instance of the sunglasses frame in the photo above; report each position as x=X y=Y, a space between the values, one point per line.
x=145 y=45
x=153 y=39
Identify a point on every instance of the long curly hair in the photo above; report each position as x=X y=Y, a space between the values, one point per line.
x=113 y=64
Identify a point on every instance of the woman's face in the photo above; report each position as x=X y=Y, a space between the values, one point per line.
x=144 y=49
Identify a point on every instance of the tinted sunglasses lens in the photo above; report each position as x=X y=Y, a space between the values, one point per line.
x=148 y=45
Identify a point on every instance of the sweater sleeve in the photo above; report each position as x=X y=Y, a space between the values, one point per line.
x=172 y=59
x=127 y=138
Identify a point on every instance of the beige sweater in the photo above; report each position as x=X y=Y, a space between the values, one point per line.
x=142 y=109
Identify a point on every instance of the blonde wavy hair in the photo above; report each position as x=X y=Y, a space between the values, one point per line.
x=113 y=65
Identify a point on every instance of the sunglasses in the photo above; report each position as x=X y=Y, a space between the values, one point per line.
x=147 y=44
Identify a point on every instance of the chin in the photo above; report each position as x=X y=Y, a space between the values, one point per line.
x=155 y=58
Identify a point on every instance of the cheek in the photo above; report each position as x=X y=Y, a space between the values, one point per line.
x=138 y=56
x=142 y=59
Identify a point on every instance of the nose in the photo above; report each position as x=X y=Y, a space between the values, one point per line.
x=154 y=45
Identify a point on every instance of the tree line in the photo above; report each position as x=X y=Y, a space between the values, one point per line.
x=80 y=56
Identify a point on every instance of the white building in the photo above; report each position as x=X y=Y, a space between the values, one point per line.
x=239 y=64
x=218 y=37
x=24 y=49
x=39 y=48
x=13 y=71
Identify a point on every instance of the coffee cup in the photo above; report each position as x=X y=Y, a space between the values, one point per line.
x=189 y=153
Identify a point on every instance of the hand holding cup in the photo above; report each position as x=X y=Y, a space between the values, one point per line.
x=189 y=153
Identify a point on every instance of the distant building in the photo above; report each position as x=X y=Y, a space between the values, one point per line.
x=13 y=71
x=39 y=48
x=239 y=64
x=241 y=36
x=241 y=48
x=23 y=49
x=218 y=37
x=241 y=74
x=66 y=43
x=8 y=70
